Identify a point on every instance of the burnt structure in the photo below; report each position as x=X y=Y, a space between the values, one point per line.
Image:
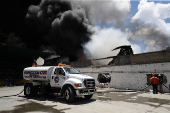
x=126 y=57
x=143 y=58
x=124 y=50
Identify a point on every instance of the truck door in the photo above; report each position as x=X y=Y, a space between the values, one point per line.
x=58 y=77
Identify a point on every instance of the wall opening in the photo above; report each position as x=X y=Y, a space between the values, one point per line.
x=104 y=78
x=164 y=78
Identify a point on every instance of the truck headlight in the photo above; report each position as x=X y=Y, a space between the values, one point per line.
x=78 y=85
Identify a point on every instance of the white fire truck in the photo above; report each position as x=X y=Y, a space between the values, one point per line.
x=63 y=80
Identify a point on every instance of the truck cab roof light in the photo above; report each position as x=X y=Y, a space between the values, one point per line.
x=64 y=65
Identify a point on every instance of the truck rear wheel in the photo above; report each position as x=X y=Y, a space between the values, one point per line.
x=29 y=90
x=88 y=96
x=69 y=94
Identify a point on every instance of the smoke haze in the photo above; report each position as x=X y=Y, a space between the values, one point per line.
x=105 y=40
x=106 y=12
x=152 y=37
x=74 y=27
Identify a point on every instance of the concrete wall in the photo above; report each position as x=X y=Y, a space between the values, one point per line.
x=130 y=76
x=122 y=60
x=154 y=57
x=144 y=58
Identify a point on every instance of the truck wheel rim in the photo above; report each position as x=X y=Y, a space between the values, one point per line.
x=67 y=94
x=28 y=90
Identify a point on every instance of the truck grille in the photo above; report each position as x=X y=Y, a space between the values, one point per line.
x=89 y=83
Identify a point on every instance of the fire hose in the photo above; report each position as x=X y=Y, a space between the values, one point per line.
x=146 y=86
x=166 y=87
x=151 y=84
x=13 y=95
x=137 y=83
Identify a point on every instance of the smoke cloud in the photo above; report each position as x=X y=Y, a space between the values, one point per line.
x=153 y=38
x=63 y=25
x=105 y=40
x=106 y=12
x=150 y=26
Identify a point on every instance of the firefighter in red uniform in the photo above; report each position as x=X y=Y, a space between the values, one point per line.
x=154 y=80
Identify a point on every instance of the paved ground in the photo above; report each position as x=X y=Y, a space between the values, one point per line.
x=104 y=101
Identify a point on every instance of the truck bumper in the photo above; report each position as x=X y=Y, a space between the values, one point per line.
x=81 y=92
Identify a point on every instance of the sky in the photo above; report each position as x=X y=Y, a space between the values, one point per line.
x=143 y=24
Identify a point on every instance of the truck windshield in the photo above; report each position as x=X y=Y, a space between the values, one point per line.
x=71 y=70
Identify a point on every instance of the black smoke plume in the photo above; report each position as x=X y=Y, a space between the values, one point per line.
x=59 y=24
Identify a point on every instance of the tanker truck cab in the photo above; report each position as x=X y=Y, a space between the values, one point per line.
x=63 y=80
x=58 y=77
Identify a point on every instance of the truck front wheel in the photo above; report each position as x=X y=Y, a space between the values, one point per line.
x=88 y=96
x=69 y=94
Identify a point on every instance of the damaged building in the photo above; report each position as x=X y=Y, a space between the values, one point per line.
x=133 y=71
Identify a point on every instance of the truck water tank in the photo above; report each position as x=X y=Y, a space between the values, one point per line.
x=38 y=73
